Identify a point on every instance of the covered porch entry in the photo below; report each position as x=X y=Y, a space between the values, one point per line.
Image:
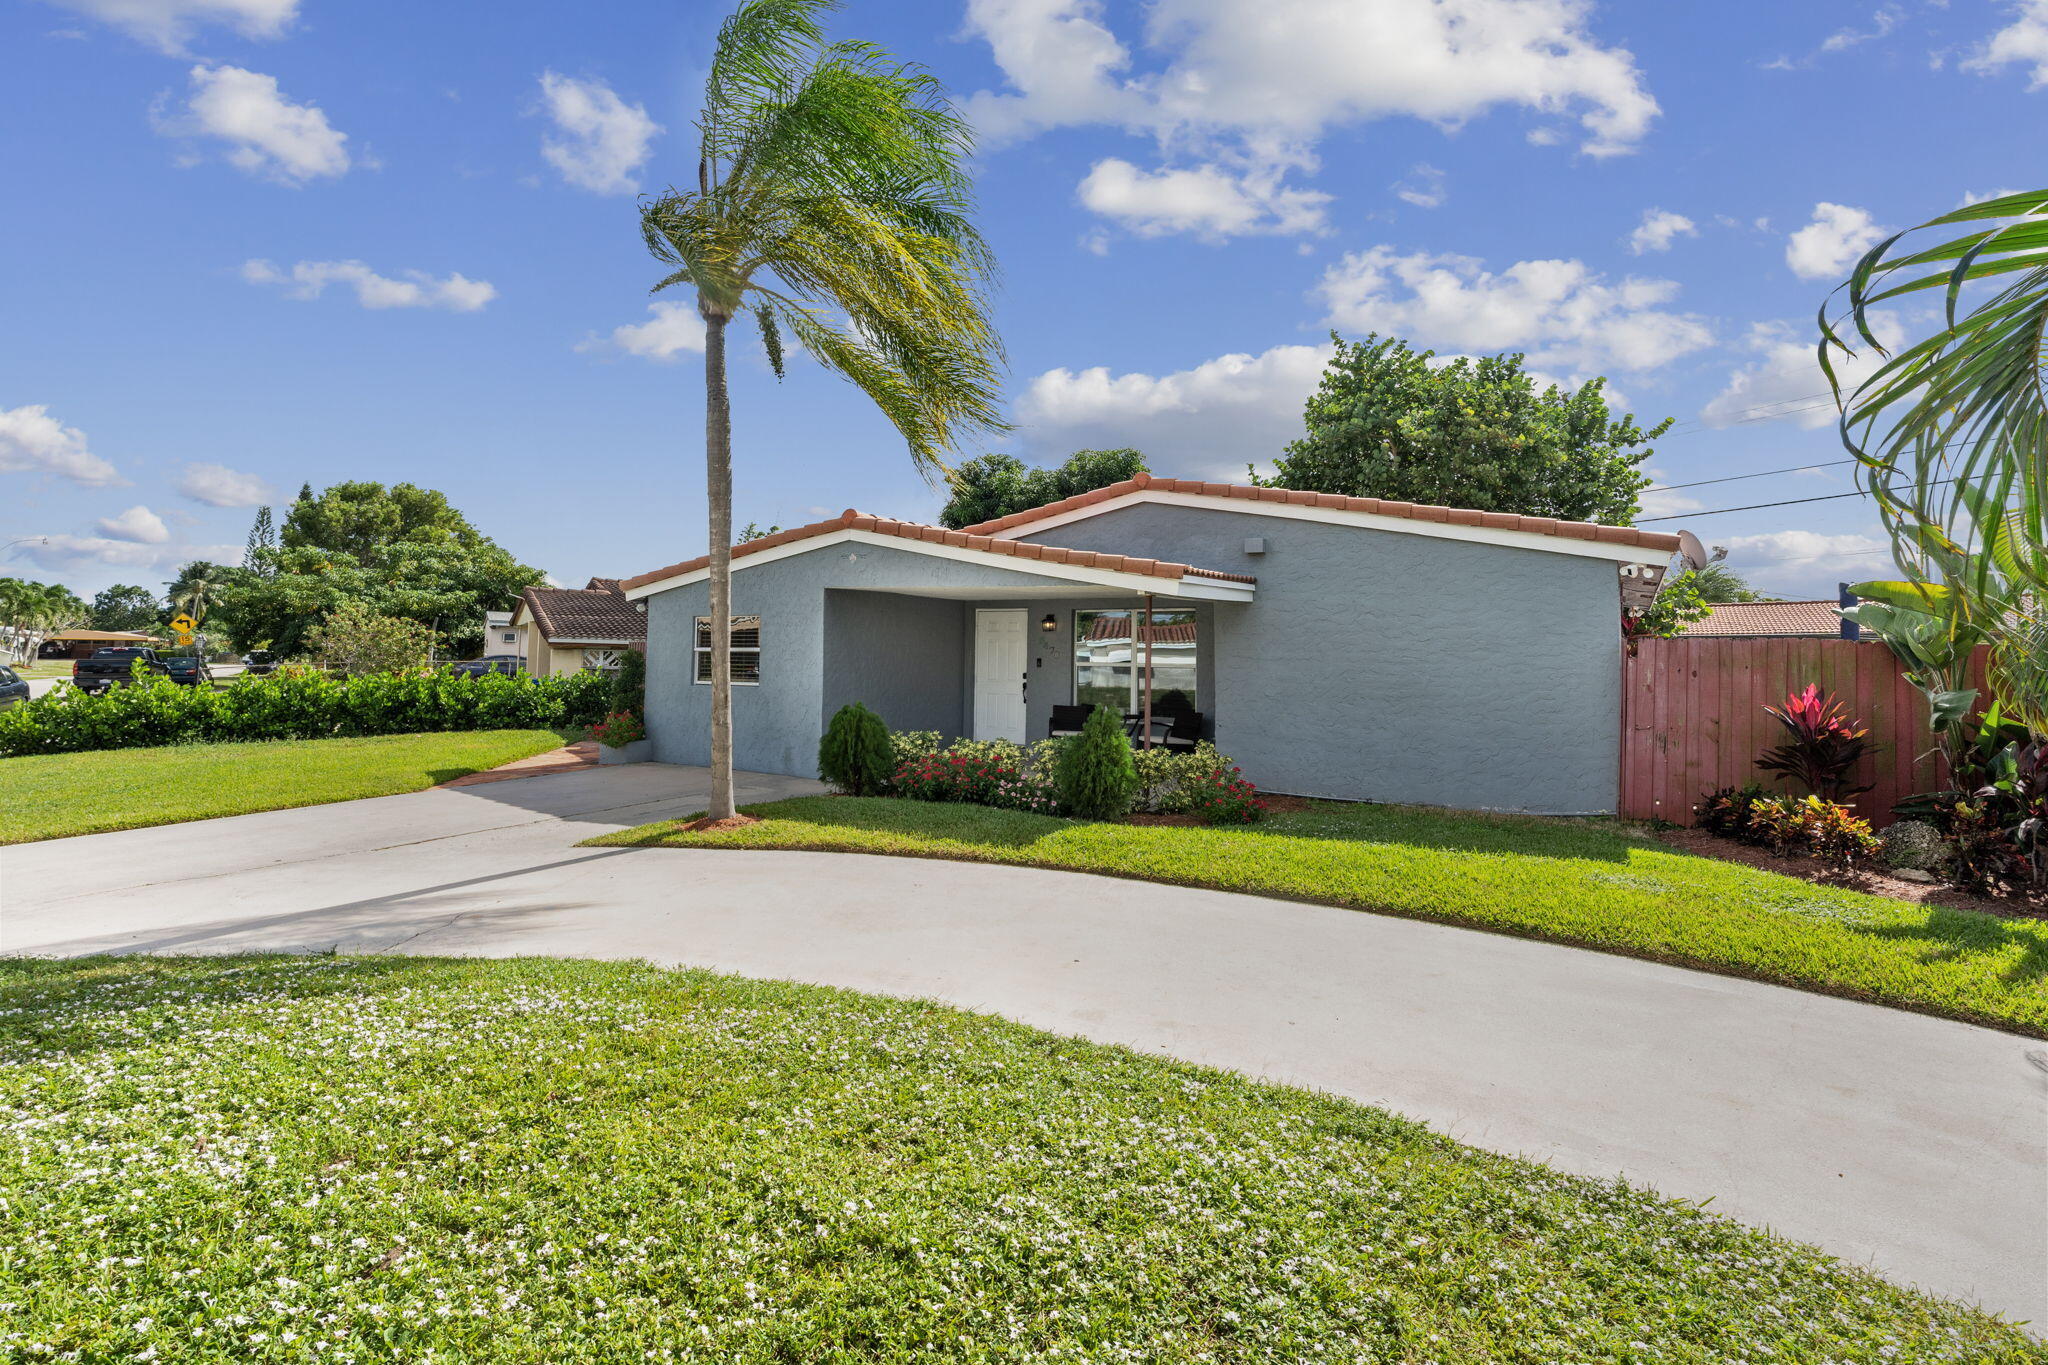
x=971 y=664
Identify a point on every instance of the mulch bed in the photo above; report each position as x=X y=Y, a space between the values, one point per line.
x=1870 y=881
x=710 y=826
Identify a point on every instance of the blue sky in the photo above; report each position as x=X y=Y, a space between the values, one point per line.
x=255 y=243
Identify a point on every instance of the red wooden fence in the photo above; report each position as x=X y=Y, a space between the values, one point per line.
x=1692 y=718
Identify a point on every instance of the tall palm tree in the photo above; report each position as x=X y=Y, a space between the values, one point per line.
x=1951 y=434
x=832 y=203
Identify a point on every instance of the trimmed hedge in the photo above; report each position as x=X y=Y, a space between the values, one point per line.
x=297 y=705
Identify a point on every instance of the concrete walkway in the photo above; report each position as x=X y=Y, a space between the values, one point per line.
x=1911 y=1144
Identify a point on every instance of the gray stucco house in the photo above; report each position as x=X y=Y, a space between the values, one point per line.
x=1333 y=646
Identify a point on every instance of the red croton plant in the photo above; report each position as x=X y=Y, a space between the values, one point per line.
x=1824 y=747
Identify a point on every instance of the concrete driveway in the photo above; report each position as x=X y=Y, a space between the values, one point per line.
x=1911 y=1144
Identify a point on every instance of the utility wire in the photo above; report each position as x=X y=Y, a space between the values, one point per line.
x=1759 y=506
x=1763 y=474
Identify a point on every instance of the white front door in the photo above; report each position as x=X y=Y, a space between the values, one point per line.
x=1000 y=638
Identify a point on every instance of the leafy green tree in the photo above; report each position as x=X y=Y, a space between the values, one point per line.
x=1716 y=582
x=832 y=201
x=1678 y=604
x=1395 y=423
x=856 y=755
x=126 y=607
x=991 y=486
x=402 y=551
x=354 y=640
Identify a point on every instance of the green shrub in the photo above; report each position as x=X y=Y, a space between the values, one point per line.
x=856 y=755
x=1094 y=776
x=908 y=746
x=297 y=704
x=1171 y=780
x=629 y=685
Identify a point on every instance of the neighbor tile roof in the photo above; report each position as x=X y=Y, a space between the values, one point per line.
x=584 y=615
x=1768 y=618
x=851 y=520
x=1658 y=541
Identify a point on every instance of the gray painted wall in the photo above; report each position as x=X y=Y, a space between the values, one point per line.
x=906 y=658
x=1383 y=666
x=1373 y=665
x=777 y=722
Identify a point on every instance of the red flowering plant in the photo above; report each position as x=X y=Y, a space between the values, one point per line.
x=619 y=729
x=1223 y=797
x=1825 y=745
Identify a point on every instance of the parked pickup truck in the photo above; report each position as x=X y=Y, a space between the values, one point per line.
x=115 y=668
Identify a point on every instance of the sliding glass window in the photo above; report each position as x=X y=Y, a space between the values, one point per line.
x=1109 y=659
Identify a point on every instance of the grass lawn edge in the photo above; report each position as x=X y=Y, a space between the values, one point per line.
x=666 y=834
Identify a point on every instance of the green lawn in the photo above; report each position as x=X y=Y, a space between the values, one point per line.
x=49 y=796
x=378 y=1159
x=1585 y=882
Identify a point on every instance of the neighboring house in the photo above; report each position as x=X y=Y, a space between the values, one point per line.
x=566 y=630
x=1335 y=646
x=79 y=644
x=500 y=635
x=1753 y=620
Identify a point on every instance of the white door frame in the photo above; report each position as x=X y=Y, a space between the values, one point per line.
x=997 y=714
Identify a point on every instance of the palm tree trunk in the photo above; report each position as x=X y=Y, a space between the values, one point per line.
x=718 y=496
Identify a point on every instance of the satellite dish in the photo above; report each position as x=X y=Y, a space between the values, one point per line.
x=1691 y=551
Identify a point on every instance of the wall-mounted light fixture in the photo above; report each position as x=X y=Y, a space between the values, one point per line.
x=1049 y=624
x=640 y=607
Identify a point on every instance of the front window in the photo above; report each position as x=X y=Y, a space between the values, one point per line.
x=1109 y=659
x=746 y=649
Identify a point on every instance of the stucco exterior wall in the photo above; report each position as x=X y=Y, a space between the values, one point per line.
x=1382 y=666
x=904 y=658
x=777 y=722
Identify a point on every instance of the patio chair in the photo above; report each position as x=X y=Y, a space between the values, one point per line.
x=1068 y=720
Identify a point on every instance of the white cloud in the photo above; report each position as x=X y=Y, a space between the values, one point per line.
x=1785 y=383
x=1881 y=24
x=138 y=524
x=266 y=133
x=73 y=555
x=1809 y=562
x=605 y=139
x=2024 y=42
x=32 y=441
x=1972 y=197
x=168 y=24
x=1235 y=84
x=674 y=328
x=1426 y=187
x=308 y=279
x=1826 y=247
x=1208 y=201
x=218 y=486
x=1213 y=419
x=1659 y=228
x=1562 y=314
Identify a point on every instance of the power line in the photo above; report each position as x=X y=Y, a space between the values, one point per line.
x=1759 y=506
x=1764 y=474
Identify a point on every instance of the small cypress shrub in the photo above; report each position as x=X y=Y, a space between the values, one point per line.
x=1094 y=775
x=856 y=754
x=629 y=685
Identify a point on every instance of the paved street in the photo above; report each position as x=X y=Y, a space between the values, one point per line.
x=1913 y=1144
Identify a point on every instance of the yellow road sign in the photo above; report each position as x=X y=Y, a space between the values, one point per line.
x=183 y=625
x=183 y=637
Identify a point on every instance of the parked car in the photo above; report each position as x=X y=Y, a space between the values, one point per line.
x=260 y=661
x=12 y=688
x=188 y=670
x=510 y=664
x=114 y=667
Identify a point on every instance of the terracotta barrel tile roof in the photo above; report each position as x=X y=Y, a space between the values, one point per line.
x=579 y=615
x=852 y=520
x=1768 y=618
x=1657 y=541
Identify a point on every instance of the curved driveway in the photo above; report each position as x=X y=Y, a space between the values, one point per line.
x=1911 y=1144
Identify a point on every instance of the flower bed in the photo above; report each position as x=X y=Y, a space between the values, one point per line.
x=1200 y=782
